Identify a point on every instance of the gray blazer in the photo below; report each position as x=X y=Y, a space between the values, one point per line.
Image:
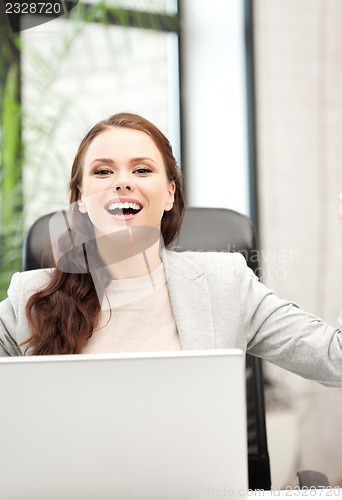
x=217 y=302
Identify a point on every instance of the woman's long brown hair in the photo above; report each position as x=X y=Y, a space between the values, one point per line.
x=64 y=314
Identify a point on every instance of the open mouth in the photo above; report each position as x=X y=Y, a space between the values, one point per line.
x=124 y=209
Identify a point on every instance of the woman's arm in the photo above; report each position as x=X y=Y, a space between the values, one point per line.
x=14 y=327
x=279 y=331
x=8 y=328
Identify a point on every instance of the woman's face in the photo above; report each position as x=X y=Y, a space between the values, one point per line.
x=124 y=181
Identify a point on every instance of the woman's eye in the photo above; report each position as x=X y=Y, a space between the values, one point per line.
x=102 y=171
x=142 y=170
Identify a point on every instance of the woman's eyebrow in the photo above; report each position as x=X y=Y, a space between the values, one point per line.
x=142 y=158
x=102 y=160
x=109 y=161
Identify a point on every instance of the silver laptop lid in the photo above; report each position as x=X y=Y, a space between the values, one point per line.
x=100 y=427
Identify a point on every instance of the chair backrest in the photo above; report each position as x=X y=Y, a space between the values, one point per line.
x=203 y=229
x=37 y=249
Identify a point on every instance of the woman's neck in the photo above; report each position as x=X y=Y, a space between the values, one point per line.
x=130 y=254
x=139 y=265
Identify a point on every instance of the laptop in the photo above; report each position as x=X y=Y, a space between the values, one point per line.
x=142 y=425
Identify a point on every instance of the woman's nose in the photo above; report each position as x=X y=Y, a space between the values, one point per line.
x=122 y=183
x=122 y=187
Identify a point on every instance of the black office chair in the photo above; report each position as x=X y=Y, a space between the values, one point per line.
x=205 y=229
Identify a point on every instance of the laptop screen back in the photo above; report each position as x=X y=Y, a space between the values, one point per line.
x=98 y=427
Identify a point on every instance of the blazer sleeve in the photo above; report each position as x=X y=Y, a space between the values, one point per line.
x=14 y=326
x=8 y=320
x=279 y=331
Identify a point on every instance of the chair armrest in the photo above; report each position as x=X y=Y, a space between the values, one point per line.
x=312 y=478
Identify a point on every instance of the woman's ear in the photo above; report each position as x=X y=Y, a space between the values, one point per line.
x=81 y=205
x=170 y=196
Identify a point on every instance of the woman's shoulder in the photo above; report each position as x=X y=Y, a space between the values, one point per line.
x=28 y=282
x=204 y=256
x=208 y=260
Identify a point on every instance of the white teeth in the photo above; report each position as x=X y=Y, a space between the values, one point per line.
x=120 y=205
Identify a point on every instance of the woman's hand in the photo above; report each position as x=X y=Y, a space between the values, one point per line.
x=340 y=198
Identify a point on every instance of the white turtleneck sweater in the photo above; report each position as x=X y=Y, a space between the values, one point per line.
x=136 y=316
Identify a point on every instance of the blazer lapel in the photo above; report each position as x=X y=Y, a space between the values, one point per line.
x=190 y=301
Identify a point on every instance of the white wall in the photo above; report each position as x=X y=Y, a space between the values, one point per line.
x=299 y=103
x=215 y=104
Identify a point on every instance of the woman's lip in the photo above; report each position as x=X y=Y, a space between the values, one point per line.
x=123 y=217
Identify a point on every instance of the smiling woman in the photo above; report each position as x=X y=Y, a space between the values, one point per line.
x=126 y=202
x=116 y=288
